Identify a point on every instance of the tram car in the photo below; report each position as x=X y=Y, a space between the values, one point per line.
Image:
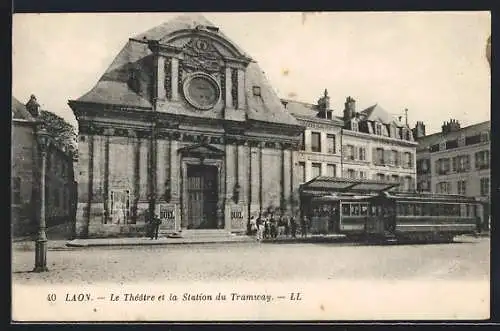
x=393 y=216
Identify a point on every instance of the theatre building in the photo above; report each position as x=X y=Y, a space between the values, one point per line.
x=184 y=123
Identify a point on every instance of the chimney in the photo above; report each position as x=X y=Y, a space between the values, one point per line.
x=349 y=109
x=323 y=105
x=33 y=106
x=451 y=126
x=419 y=130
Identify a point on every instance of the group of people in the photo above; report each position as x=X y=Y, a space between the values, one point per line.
x=269 y=226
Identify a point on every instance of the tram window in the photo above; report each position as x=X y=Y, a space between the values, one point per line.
x=418 y=209
x=346 y=211
x=411 y=209
x=355 y=210
x=433 y=210
x=364 y=210
x=426 y=209
x=463 y=210
x=373 y=210
x=456 y=210
x=379 y=210
x=399 y=208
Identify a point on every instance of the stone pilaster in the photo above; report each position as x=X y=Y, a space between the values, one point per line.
x=241 y=89
x=228 y=97
x=160 y=77
x=174 y=72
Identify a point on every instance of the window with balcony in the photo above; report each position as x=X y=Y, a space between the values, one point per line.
x=482 y=160
x=316 y=142
x=443 y=166
x=380 y=177
x=462 y=187
x=331 y=170
x=362 y=154
x=379 y=156
x=378 y=129
x=362 y=174
x=485 y=186
x=351 y=173
x=330 y=138
x=408 y=160
x=443 y=187
x=463 y=163
x=349 y=152
x=316 y=170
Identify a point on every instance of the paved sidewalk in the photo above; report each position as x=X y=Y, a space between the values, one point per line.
x=145 y=241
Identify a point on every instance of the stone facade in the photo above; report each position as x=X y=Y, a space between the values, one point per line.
x=456 y=161
x=25 y=168
x=180 y=98
x=351 y=146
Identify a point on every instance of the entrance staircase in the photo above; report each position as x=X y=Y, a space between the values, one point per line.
x=208 y=235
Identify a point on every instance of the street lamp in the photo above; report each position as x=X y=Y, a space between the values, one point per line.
x=43 y=140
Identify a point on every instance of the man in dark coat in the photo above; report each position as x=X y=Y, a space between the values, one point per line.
x=155 y=223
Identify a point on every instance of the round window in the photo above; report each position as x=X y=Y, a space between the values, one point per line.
x=201 y=91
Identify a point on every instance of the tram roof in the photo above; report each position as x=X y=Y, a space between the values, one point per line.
x=323 y=183
x=420 y=196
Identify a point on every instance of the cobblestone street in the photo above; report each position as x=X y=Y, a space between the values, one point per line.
x=466 y=259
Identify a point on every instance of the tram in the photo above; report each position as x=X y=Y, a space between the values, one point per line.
x=368 y=210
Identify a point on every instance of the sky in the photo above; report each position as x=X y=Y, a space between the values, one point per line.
x=432 y=63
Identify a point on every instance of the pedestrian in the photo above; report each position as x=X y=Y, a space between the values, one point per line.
x=252 y=226
x=156 y=221
x=274 y=227
x=266 y=227
x=293 y=226
x=260 y=227
x=303 y=226
x=286 y=224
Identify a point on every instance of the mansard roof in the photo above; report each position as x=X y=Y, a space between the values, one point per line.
x=468 y=131
x=113 y=87
x=306 y=110
x=19 y=111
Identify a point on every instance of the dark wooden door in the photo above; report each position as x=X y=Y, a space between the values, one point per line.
x=202 y=197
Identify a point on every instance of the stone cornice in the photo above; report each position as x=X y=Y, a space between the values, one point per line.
x=110 y=129
x=379 y=138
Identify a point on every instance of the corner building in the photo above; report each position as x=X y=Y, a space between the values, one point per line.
x=184 y=123
x=456 y=161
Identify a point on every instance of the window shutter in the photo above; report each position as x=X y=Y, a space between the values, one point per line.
x=455 y=159
x=344 y=152
x=355 y=153
x=411 y=160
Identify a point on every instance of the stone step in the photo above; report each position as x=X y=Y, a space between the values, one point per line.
x=205 y=233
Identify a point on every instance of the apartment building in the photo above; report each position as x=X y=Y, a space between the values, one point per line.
x=455 y=160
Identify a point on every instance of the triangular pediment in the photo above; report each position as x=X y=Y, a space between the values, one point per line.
x=201 y=150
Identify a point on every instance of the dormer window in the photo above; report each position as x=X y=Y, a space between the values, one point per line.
x=461 y=141
x=354 y=125
x=393 y=131
x=256 y=91
x=485 y=136
x=378 y=129
x=442 y=146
